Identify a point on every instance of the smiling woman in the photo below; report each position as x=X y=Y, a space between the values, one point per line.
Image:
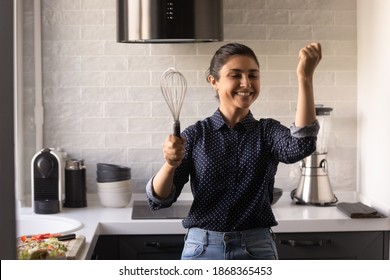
x=232 y=158
x=237 y=88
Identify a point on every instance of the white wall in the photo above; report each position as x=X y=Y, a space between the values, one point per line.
x=102 y=99
x=374 y=101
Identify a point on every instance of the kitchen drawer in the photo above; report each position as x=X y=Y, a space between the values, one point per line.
x=316 y=245
x=106 y=248
x=333 y=245
x=150 y=247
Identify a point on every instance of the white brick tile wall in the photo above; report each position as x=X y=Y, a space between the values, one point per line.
x=50 y=17
x=289 y=32
x=116 y=156
x=346 y=78
x=345 y=18
x=64 y=64
x=61 y=94
x=169 y=49
x=98 y=4
x=234 y=17
x=245 y=32
x=310 y=17
x=332 y=5
x=81 y=140
x=105 y=63
x=72 y=48
x=103 y=125
x=103 y=101
x=243 y=4
x=61 y=33
x=287 y=4
x=61 y=5
x=113 y=48
x=128 y=140
x=341 y=32
x=149 y=63
x=81 y=79
x=98 y=33
x=133 y=78
x=266 y=17
x=101 y=94
x=275 y=78
x=127 y=109
x=150 y=125
x=78 y=110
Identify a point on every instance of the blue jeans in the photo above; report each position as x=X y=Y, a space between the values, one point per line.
x=254 y=244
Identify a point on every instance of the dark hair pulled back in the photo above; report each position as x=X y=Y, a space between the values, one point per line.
x=224 y=53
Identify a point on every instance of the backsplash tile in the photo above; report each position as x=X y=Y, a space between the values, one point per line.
x=103 y=101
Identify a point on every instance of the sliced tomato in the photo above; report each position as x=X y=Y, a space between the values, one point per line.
x=38 y=237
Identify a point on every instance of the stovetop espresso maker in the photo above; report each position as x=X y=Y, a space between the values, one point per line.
x=314 y=186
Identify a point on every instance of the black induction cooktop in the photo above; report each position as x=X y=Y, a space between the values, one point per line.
x=178 y=210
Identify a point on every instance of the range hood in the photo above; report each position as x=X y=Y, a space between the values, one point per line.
x=169 y=21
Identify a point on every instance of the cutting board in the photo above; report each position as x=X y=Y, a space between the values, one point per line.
x=74 y=247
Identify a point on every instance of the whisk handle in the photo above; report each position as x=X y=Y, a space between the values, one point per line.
x=176 y=128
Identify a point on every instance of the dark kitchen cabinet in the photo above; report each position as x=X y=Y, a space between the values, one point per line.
x=139 y=247
x=106 y=248
x=151 y=247
x=317 y=245
x=333 y=245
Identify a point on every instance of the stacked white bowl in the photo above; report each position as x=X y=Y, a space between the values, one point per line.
x=113 y=185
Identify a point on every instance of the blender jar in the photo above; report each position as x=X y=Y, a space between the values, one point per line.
x=324 y=119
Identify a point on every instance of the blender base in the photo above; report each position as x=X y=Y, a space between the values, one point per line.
x=321 y=204
x=314 y=186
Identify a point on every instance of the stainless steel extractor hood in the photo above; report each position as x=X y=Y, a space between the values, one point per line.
x=169 y=21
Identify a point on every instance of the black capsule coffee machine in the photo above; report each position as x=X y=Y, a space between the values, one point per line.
x=47 y=182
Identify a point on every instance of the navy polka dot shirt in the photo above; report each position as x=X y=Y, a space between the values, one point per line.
x=232 y=170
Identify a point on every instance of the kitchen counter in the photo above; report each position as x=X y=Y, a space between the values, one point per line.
x=98 y=220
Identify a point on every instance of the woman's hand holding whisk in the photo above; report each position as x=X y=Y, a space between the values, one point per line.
x=173 y=149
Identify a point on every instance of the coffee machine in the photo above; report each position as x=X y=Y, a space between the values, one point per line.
x=47 y=181
x=314 y=186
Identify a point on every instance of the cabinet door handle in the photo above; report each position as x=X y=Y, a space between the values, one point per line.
x=156 y=244
x=297 y=243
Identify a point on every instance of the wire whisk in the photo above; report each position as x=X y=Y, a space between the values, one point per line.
x=174 y=87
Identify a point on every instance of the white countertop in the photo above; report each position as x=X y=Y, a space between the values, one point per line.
x=98 y=220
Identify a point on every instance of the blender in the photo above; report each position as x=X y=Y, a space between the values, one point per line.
x=314 y=186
